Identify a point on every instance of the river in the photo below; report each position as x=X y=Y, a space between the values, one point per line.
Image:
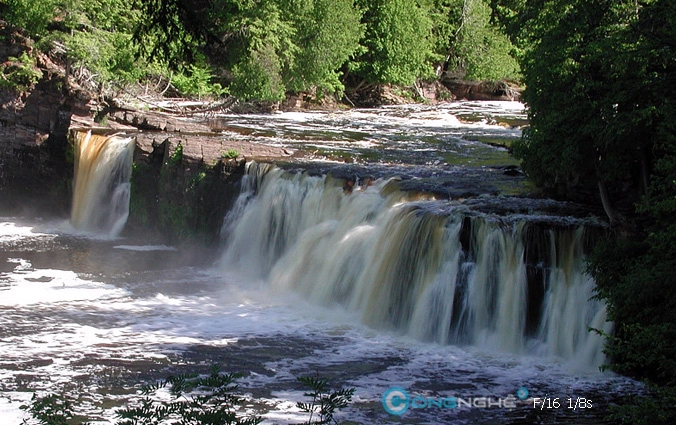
x=372 y=278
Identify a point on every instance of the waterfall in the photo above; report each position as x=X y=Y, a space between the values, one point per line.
x=406 y=264
x=101 y=185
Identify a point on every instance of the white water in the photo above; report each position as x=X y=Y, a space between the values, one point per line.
x=101 y=184
x=399 y=264
x=69 y=332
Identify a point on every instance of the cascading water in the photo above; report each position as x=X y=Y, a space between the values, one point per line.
x=101 y=189
x=408 y=264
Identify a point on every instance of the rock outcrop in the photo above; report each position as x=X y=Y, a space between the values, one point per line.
x=482 y=90
x=34 y=125
x=37 y=118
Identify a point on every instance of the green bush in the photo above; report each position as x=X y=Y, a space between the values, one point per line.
x=197 y=81
x=51 y=409
x=32 y=15
x=195 y=400
x=230 y=154
x=20 y=73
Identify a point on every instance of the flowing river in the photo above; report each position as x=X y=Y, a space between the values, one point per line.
x=415 y=264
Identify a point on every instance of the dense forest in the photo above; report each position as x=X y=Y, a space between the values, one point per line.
x=263 y=49
x=600 y=88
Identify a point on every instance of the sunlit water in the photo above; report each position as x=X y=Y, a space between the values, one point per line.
x=402 y=134
x=452 y=149
x=95 y=318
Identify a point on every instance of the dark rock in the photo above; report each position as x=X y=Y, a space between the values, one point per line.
x=484 y=90
x=512 y=170
x=34 y=124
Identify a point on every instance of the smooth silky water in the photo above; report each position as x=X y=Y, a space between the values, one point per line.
x=366 y=284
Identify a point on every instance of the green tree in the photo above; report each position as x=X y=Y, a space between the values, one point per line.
x=93 y=34
x=467 y=44
x=590 y=125
x=267 y=48
x=263 y=48
x=327 y=35
x=174 y=31
x=397 y=42
x=479 y=48
x=32 y=15
x=637 y=275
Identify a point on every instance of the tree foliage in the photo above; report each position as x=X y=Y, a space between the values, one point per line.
x=323 y=403
x=602 y=107
x=327 y=34
x=396 y=43
x=32 y=15
x=263 y=49
x=269 y=47
x=470 y=44
x=592 y=98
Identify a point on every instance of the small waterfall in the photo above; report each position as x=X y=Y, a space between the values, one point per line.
x=405 y=264
x=101 y=187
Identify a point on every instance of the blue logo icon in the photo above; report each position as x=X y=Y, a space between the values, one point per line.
x=396 y=401
x=522 y=393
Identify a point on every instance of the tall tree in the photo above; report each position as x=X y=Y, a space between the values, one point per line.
x=591 y=118
x=263 y=47
x=473 y=47
x=327 y=34
x=397 y=43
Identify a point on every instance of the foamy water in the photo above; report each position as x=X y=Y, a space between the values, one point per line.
x=73 y=332
x=444 y=135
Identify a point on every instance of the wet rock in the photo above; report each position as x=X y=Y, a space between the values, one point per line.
x=512 y=170
x=484 y=90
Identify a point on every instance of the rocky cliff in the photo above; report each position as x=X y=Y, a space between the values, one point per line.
x=36 y=104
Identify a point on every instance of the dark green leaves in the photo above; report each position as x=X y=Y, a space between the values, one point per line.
x=323 y=402
x=397 y=42
x=196 y=400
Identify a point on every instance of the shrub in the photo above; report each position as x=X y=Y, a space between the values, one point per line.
x=20 y=73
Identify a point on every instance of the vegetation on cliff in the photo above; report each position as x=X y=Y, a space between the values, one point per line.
x=264 y=49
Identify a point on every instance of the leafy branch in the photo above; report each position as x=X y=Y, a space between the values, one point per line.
x=196 y=400
x=323 y=402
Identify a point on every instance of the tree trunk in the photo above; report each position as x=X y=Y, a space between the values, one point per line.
x=614 y=216
x=644 y=171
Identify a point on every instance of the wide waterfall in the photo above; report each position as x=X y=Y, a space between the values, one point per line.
x=411 y=264
x=101 y=189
